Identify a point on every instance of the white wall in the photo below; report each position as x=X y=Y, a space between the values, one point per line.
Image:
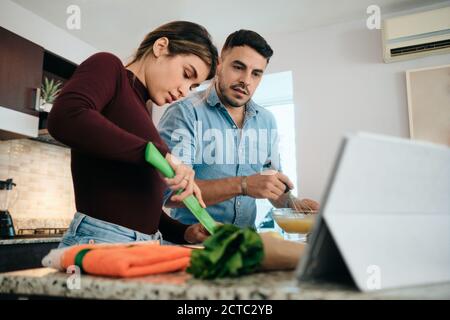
x=341 y=85
x=32 y=27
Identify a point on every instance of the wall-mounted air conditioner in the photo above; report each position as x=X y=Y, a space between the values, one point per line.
x=416 y=35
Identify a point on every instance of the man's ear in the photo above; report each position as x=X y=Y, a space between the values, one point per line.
x=161 y=47
x=219 y=65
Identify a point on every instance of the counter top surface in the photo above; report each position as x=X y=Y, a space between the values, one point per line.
x=28 y=240
x=180 y=285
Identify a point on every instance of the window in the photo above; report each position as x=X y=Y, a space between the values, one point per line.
x=275 y=94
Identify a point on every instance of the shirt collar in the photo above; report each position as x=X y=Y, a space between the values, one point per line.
x=213 y=100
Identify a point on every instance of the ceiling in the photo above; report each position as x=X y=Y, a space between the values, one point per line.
x=118 y=26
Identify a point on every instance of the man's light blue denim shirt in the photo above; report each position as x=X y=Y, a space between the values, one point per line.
x=201 y=133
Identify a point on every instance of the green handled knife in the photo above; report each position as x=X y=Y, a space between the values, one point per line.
x=156 y=159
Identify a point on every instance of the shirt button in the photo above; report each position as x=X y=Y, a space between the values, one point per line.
x=234 y=127
x=238 y=203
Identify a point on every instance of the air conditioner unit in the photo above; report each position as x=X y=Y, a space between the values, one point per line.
x=416 y=35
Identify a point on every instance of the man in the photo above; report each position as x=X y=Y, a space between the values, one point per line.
x=230 y=141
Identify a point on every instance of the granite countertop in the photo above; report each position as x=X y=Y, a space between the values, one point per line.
x=28 y=240
x=180 y=285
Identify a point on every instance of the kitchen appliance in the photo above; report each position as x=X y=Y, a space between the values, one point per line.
x=6 y=223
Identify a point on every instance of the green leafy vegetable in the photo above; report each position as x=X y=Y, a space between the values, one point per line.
x=229 y=252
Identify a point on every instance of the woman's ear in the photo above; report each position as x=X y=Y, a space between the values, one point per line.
x=161 y=47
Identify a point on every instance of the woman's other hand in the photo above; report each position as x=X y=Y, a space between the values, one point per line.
x=196 y=233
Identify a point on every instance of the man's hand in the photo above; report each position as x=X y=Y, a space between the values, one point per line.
x=196 y=233
x=270 y=185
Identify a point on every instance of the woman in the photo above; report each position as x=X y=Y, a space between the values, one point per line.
x=101 y=114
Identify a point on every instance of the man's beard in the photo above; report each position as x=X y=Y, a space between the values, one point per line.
x=230 y=101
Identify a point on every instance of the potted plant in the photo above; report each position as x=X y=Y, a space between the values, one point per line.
x=49 y=91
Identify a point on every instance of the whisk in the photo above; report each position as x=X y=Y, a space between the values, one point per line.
x=293 y=205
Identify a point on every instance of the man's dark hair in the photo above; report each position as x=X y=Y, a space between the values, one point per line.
x=251 y=39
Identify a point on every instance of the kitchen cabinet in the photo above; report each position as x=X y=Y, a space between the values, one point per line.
x=20 y=254
x=21 y=64
x=58 y=69
x=20 y=77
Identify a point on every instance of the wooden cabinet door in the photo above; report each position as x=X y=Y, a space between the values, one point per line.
x=21 y=64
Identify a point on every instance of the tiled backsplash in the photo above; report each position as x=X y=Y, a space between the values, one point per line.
x=42 y=173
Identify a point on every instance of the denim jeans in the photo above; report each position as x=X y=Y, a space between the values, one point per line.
x=87 y=230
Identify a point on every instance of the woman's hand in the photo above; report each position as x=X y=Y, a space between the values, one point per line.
x=196 y=233
x=183 y=180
